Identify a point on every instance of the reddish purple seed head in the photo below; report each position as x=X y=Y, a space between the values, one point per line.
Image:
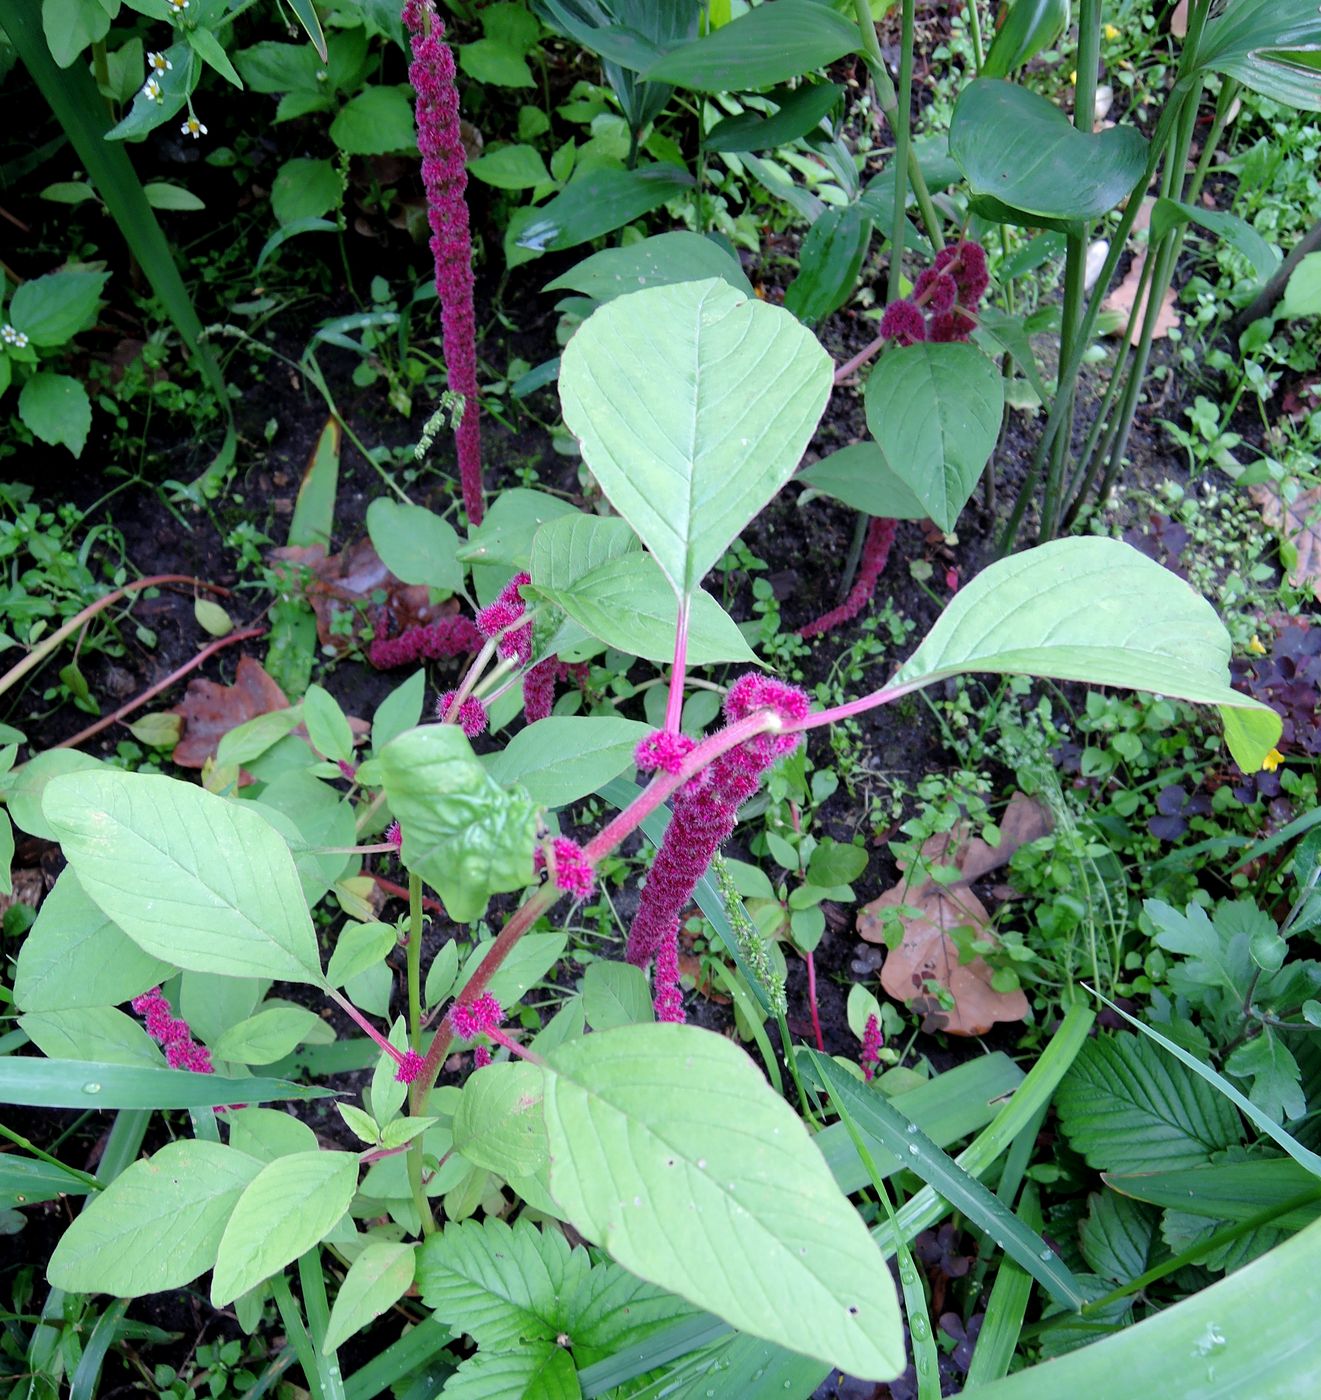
x=938 y=290
x=476 y=1017
x=872 y=1041
x=664 y=751
x=394 y=834
x=472 y=717
x=573 y=871
x=903 y=323
x=410 y=1066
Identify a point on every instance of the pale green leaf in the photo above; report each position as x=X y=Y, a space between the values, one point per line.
x=102 y=1033
x=57 y=410
x=415 y=544
x=565 y=757
x=615 y=994
x=538 y=1371
x=266 y=1037
x=376 y=1280
x=358 y=947
x=498 y=1123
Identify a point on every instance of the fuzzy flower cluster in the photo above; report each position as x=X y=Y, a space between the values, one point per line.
x=181 y=1050
x=446 y=637
x=873 y=1038
x=472 y=717
x=481 y=1016
x=663 y=750
x=574 y=873
x=705 y=810
x=408 y=1066
x=945 y=299
x=502 y=619
x=875 y=554
x=445 y=178
x=394 y=834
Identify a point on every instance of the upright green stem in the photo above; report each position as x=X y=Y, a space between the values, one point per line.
x=889 y=100
x=902 y=146
x=975 y=30
x=417 y=1103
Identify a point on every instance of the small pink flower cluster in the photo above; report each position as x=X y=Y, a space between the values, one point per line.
x=573 y=871
x=448 y=636
x=502 y=617
x=408 y=1066
x=181 y=1050
x=664 y=751
x=394 y=834
x=875 y=553
x=705 y=810
x=872 y=1041
x=945 y=299
x=472 y=716
x=481 y=1016
x=445 y=178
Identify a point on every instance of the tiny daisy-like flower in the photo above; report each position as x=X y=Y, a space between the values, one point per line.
x=10 y=336
x=152 y=89
x=178 y=5
x=192 y=127
x=158 y=63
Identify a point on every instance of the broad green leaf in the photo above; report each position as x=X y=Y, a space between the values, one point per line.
x=1229 y=1190
x=861 y=476
x=566 y=757
x=71 y=25
x=1027 y=28
x=598 y=202
x=650 y=1125
x=498 y=1123
x=1238 y=233
x=73 y=956
x=266 y=1133
x=327 y=725
x=311 y=814
x=615 y=994
x=211 y=1004
x=799 y=111
x=400 y=710
x=415 y=544
x=1270 y=46
x=531 y=958
x=569 y=548
x=629 y=604
x=463 y=833
x=377 y=122
x=24 y=787
x=1247 y=1335
x=189 y=877
x=656 y=388
x=935 y=413
x=536 y=1371
x=86 y=1084
x=1118 y=1237
x=51 y=310
x=1099 y=612
x=376 y=1280
x=765 y=45
x=1127 y=1108
x=829 y=260
x=57 y=410
x=358 y=947
x=1302 y=297
x=510 y=168
x=504 y=538
x=658 y=261
x=305 y=188
x=1267 y=1061
x=1020 y=150
x=157 y=1225
x=500 y=1285
x=102 y=1033
x=495 y=64
x=266 y=1037
x=290 y=1205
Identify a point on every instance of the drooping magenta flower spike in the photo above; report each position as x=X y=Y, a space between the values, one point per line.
x=408 y=1063
x=445 y=178
x=172 y=1033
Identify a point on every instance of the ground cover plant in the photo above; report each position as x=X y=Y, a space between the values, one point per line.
x=646 y=886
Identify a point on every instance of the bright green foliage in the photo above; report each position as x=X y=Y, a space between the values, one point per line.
x=266 y=1037
x=665 y=258
x=376 y=1280
x=565 y=757
x=498 y=1124
x=416 y=545
x=861 y=476
x=1028 y=27
x=158 y=1225
x=1096 y=611
x=1269 y=46
x=655 y=387
x=189 y=877
x=463 y=833
x=656 y=1125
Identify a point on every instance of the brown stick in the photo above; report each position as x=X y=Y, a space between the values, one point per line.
x=1265 y=300
x=153 y=691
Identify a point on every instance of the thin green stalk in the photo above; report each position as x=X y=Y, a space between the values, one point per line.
x=297 y=1334
x=312 y=1280
x=790 y=1059
x=85 y=1177
x=889 y=100
x=975 y=30
x=902 y=146
x=416 y=1104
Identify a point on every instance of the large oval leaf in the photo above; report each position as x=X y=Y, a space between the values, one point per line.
x=565 y=757
x=669 y=1149
x=935 y=411
x=1019 y=149
x=600 y=202
x=157 y=1225
x=291 y=1204
x=1271 y=46
x=192 y=879
x=693 y=405
x=1096 y=611
x=659 y=261
x=861 y=476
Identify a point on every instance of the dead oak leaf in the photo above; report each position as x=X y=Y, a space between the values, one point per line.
x=1298 y=524
x=209 y=710
x=1124 y=296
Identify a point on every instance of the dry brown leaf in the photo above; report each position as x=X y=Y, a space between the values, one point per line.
x=1298 y=524
x=1125 y=294
x=927 y=952
x=353 y=581
x=210 y=710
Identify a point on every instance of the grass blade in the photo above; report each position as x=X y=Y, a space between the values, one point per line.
x=88 y=1375
x=38 y=1083
x=412 y=1351
x=1005 y=1308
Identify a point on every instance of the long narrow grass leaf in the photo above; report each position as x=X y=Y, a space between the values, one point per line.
x=39 y=1083
x=1005 y=1308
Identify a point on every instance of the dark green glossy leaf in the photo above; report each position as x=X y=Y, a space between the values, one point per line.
x=600 y=202
x=829 y=261
x=799 y=111
x=1270 y=46
x=1024 y=30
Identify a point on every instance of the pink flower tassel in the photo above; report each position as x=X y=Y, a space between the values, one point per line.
x=875 y=553
x=445 y=178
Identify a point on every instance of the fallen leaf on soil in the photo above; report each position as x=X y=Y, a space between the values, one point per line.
x=1298 y=524
x=1179 y=20
x=927 y=952
x=1125 y=294
x=210 y=710
x=356 y=582
x=29 y=885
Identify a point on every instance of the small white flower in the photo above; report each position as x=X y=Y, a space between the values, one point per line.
x=158 y=63
x=10 y=336
x=153 y=90
x=192 y=127
x=178 y=5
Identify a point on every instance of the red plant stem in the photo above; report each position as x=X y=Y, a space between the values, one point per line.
x=356 y=1016
x=153 y=691
x=40 y=652
x=811 y=1001
x=399 y=892
x=860 y=359
x=674 y=706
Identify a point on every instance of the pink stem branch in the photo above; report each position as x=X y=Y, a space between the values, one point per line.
x=811 y=1001
x=674 y=706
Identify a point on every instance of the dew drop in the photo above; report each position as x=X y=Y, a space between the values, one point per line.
x=912 y=1127
x=701 y=1164
x=92 y=1088
x=1046 y=1256
x=913 y=1149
